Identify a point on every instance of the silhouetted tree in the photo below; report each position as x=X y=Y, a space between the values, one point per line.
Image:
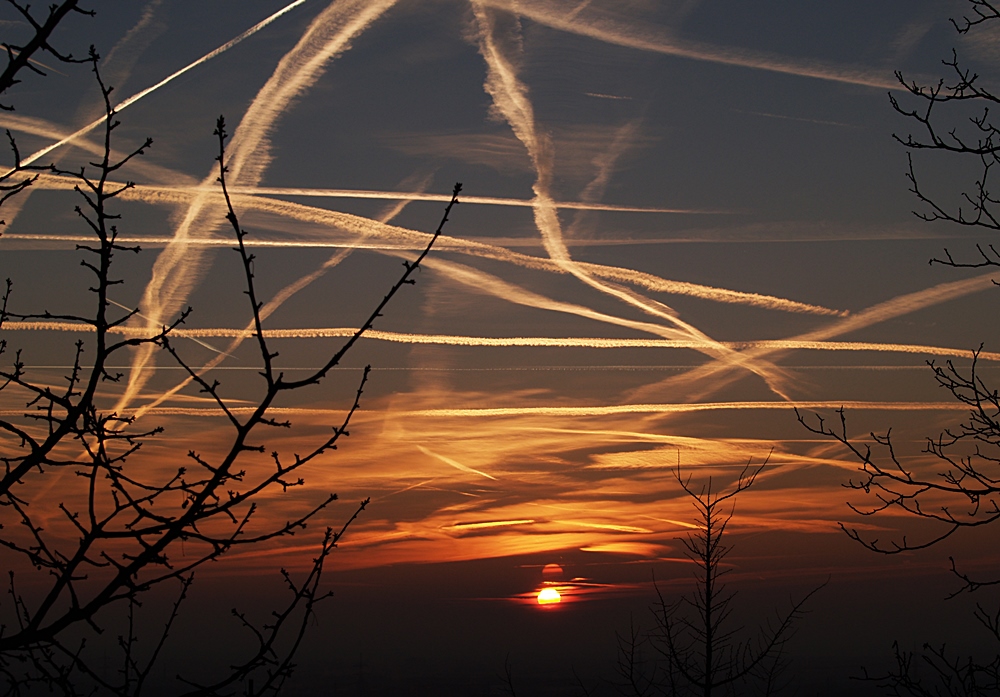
x=960 y=489
x=19 y=58
x=123 y=522
x=701 y=651
x=20 y=55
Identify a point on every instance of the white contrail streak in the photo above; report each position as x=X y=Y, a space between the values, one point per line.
x=60 y=182
x=454 y=463
x=139 y=95
x=479 y=200
x=582 y=411
x=512 y=341
x=117 y=64
x=681 y=408
x=605 y=163
x=603 y=27
x=488 y=283
x=472 y=248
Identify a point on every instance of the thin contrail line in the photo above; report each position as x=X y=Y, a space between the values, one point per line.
x=456 y=464
x=681 y=408
x=481 y=200
x=139 y=95
x=518 y=341
x=571 y=411
x=61 y=182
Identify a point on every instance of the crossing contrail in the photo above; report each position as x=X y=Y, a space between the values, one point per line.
x=707 y=378
x=477 y=200
x=124 y=104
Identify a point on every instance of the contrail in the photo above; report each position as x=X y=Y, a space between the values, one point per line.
x=484 y=282
x=41 y=127
x=681 y=408
x=902 y=305
x=510 y=99
x=604 y=27
x=405 y=238
x=512 y=341
x=454 y=463
x=478 y=200
x=59 y=182
x=177 y=269
x=697 y=290
x=117 y=65
x=605 y=164
x=139 y=95
x=605 y=526
x=582 y=411
x=490 y=524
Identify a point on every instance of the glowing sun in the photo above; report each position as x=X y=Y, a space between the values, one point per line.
x=547 y=596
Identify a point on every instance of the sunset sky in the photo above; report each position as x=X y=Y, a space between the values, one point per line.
x=679 y=219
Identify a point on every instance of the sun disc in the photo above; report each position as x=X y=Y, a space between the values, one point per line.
x=551 y=571
x=547 y=596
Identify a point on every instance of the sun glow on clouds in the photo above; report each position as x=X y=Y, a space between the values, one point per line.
x=463 y=468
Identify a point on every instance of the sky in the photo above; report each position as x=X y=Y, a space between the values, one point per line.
x=679 y=219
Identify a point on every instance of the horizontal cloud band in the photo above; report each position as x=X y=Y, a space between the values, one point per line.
x=514 y=341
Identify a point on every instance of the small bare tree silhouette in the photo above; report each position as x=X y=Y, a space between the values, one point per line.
x=702 y=652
